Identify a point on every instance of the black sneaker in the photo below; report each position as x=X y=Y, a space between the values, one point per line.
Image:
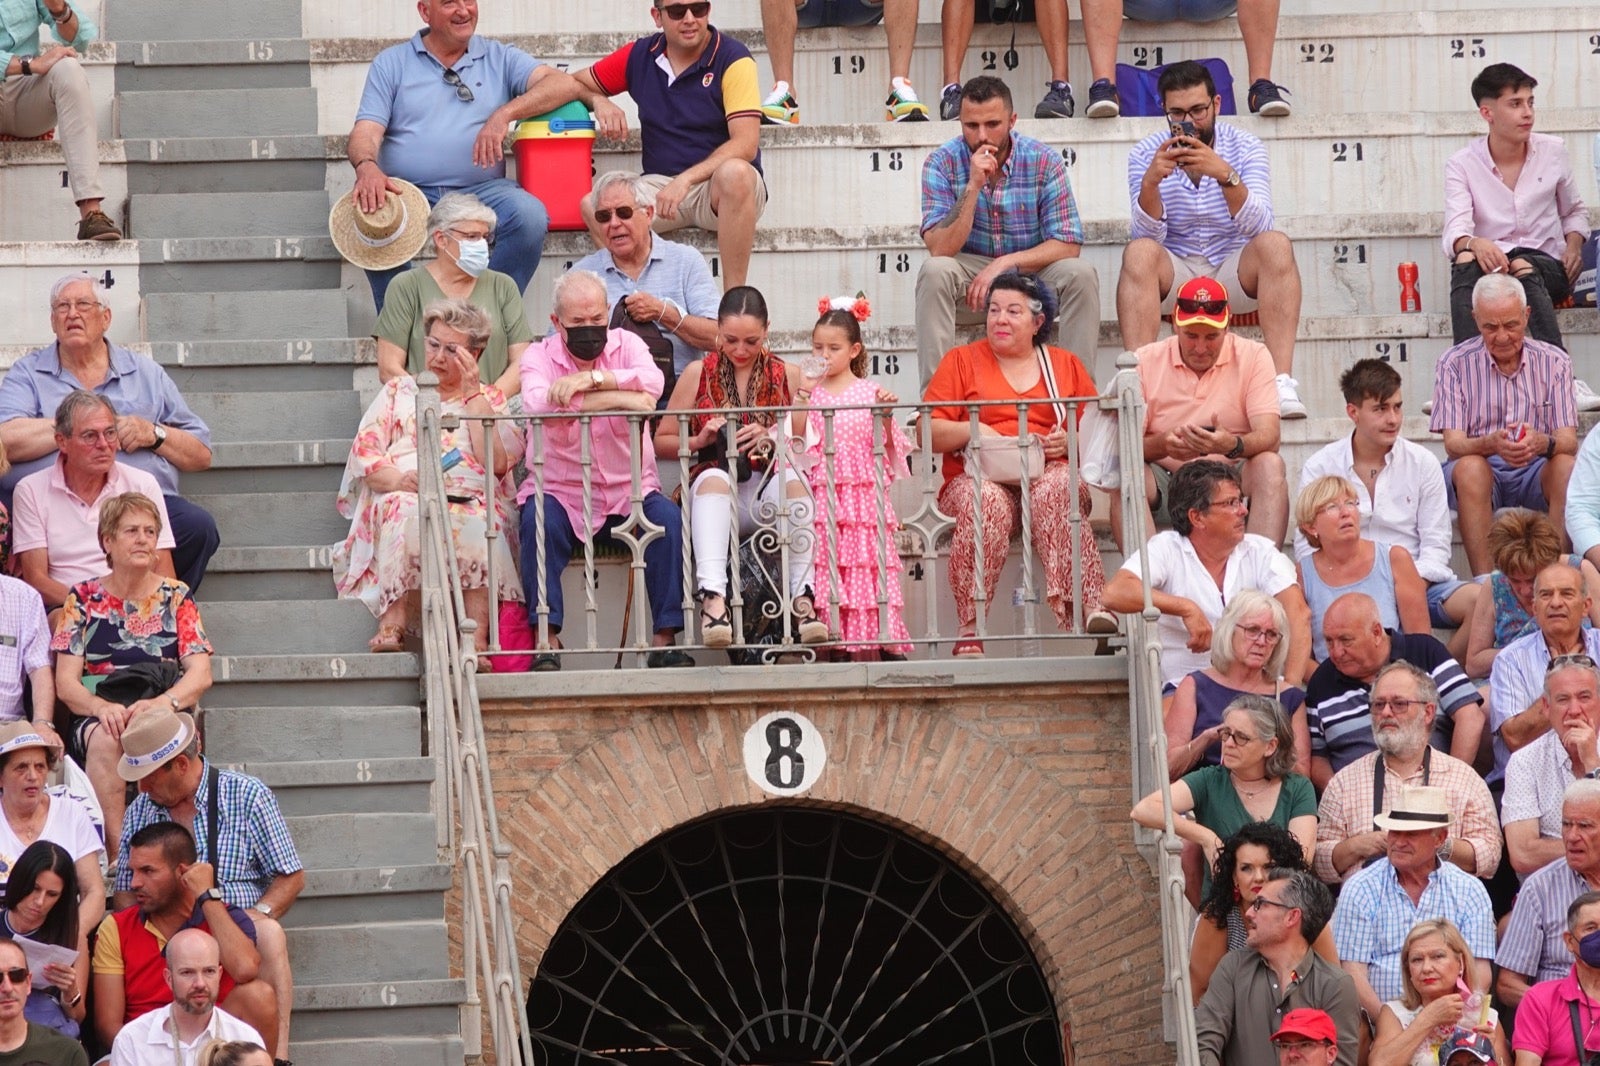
x=668 y=657
x=950 y=103
x=1057 y=102
x=1267 y=99
x=1103 y=100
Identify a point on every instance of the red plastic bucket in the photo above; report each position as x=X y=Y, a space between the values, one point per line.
x=555 y=161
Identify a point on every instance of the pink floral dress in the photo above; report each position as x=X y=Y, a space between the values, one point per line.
x=854 y=534
x=381 y=560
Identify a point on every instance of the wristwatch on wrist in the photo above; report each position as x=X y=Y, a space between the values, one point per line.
x=264 y=908
x=27 y=67
x=161 y=438
x=1550 y=449
x=1237 y=451
x=1232 y=179
x=598 y=378
x=206 y=897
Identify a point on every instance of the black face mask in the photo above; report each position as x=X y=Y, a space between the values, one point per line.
x=586 y=342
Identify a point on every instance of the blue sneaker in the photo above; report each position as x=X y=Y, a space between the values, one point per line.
x=950 y=103
x=1267 y=99
x=1057 y=102
x=1103 y=100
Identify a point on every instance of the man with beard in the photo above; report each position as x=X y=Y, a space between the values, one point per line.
x=175 y=1036
x=21 y=1041
x=1404 y=702
x=1538 y=774
x=1202 y=206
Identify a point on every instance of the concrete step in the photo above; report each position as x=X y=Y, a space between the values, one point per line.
x=278 y=416
x=345 y=840
x=28 y=269
x=249 y=519
x=381 y=1012
x=229 y=315
x=332 y=627
x=270 y=574
x=248 y=735
x=192 y=66
x=363 y=786
x=254 y=674
x=264 y=112
x=389 y=1051
x=391 y=893
x=232 y=214
x=151 y=20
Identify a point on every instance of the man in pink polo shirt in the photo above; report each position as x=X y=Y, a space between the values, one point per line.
x=56 y=511
x=1211 y=394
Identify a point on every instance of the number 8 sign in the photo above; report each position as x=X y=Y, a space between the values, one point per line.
x=784 y=753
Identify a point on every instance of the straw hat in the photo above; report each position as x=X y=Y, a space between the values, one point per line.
x=1416 y=807
x=153 y=739
x=389 y=237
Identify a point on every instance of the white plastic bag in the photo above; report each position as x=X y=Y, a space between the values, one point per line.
x=1097 y=449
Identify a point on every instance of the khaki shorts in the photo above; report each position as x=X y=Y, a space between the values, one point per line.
x=1198 y=266
x=1163 y=476
x=696 y=207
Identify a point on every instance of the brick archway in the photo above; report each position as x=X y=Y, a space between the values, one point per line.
x=1021 y=793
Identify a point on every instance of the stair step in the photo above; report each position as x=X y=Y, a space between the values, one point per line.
x=358 y=786
x=151 y=20
x=265 y=112
x=338 y=840
x=247 y=519
x=286 y=573
x=291 y=681
x=288 y=627
x=283 y=417
x=292 y=49
x=396 y=1051
x=314 y=668
x=180 y=149
x=230 y=219
x=438 y=1019
x=391 y=894
x=272 y=315
x=248 y=734
x=194 y=353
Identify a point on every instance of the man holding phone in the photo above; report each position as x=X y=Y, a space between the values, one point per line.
x=1201 y=195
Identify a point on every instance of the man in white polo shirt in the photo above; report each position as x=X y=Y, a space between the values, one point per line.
x=56 y=512
x=194 y=973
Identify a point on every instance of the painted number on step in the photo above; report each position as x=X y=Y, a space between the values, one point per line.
x=901 y=262
x=1316 y=52
x=849 y=64
x=993 y=60
x=784 y=753
x=63 y=179
x=1147 y=56
x=1069 y=155
x=1467 y=48
x=263 y=149
x=1390 y=353
x=894 y=159
x=302 y=351
x=1594 y=44
x=886 y=364
x=389 y=995
x=1349 y=253
x=287 y=248
x=107 y=281
x=258 y=51
x=363 y=770
x=1347 y=153
x=716 y=266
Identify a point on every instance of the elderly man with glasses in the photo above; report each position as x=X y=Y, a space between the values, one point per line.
x=1538 y=773
x=1201 y=196
x=436 y=110
x=1517 y=707
x=1532 y=947
x=1404 y=703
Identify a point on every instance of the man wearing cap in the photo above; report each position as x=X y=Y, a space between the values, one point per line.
x=1307 y=1037
x=1380 y=903
x=1538 y=774
x=156 y=430
x=248 y=843
x=995 y=200
x=22 y=1041
x=1255 y=992
x=1202 y=207
x=172 y=892
x=174 y=1036
x=1338 y=715
x=56 y=537
x=435 y=111
x=1208 y=393
x=1556 y=1017
x=1404 y=705
x=1533 y=946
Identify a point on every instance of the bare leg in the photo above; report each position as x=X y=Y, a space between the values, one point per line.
x=254 y=1002
x=1052 y=22
x=100 y=763
x=1474 y=483
x=1553 y=480
x=955 y=31
x=733 y=198
x=1102 y=29
x=899 y=25
x=779 y=22
x=1144 y=281
x=1266 y=483
x=1268 y=272
x=1258 y=25
x=275 y=973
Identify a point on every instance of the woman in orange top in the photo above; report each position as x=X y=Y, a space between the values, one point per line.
x=1006 y=366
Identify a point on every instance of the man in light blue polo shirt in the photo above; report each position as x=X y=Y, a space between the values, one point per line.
x=436 y=110
x=660 y=281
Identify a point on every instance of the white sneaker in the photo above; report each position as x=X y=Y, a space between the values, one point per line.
x=1289 y=405
x=1584 y=395
x=1427 y=406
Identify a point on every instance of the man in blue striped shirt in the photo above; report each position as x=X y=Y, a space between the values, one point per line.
x=1201 y=197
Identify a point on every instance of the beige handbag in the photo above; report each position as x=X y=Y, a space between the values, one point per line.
x=1004 y=459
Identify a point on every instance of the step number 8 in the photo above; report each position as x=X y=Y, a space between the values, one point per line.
x=784 y=753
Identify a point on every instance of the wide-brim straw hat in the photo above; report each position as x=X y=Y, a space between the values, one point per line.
x=153 y=739
x=1416 y=807
x=389 y=237
x=20 y=734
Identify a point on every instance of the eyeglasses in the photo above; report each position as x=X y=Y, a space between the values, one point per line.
x=1338 y=506
x=1561 y=662
x=1227 y=735
x=1202 y=307
x=1232 y=503
x=104 y=436
x=1299 y=1047
x=1195 y=113
x=1258 y=635
x=83 y=307
x=675 y=12
x=17 y=975
x=603 y=215
x=487 y=238
x=1262 y=901
x=1395 y=704
x=452 y=79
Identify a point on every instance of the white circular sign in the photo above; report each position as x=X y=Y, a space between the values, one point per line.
x=784 y=753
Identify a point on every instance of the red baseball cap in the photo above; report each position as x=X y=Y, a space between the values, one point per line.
x=1203 y=301
x=1307 y=1024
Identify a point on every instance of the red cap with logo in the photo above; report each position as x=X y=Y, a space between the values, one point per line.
x=1201 y=301
x=1307 y=1024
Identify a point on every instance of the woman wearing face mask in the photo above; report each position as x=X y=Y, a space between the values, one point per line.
x=461 y=228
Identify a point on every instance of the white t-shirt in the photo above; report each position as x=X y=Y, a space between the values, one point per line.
x=1176 y=570
x=67 y=824
x=147 y=1040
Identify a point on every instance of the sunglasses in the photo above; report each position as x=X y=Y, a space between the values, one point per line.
x=675 y=12
x=17 y=976
x=1561 y=662
x=1206 y=307
x=603 y=215
x=452 y=79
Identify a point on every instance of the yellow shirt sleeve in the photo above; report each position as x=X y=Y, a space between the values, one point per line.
x=741 y=90
x=108 y=948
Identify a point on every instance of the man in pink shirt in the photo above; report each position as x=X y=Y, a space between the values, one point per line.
x=1212 y=394
x=1511 y=205
x=585 y=367
x=57 y=510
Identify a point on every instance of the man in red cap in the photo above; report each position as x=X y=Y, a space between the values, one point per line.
x=1307 y=1037
x=1210 y=394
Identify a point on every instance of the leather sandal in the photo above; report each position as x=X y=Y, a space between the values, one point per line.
x=389 y=638
x=716 y=630
x=813 y=630
x=968 y=648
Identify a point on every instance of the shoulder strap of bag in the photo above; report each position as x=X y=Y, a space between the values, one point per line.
x=1049 y=373
x=211 y=822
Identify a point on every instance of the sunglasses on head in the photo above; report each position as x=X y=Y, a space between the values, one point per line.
x=675 y=12
x=452 y=79
x=1202 y=307
x=603 y=215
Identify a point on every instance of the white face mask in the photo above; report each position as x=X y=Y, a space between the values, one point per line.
x=474 y=257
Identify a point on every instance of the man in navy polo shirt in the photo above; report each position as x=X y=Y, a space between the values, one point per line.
x=700 y=123
x=436 y=110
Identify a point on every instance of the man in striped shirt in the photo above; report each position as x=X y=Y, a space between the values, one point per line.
x=1504 y=405
x=1202 y=205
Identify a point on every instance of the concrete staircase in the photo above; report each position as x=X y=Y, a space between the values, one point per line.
x=241 y=302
